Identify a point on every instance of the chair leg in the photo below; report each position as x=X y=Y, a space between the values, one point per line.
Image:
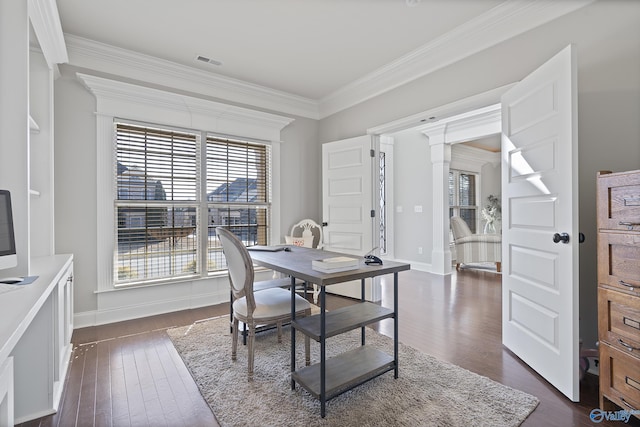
x=279 y=326
x=234 y=338
x=252 y=336
x=498 y=267
x=458 y=267
x=231 y=311
x=244 y=333
x=316 y=292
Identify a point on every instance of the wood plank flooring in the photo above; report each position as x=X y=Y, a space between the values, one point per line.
x=129 y=374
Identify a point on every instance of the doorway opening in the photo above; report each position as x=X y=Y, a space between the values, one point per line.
x=467 y=139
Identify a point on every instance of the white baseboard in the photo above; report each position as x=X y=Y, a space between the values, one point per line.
x=150 y=308
x=420 y=266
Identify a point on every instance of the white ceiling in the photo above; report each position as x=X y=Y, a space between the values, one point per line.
x=309 y=48
x=325 y=55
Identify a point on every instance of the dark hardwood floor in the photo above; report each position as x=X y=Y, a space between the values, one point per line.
x=129 y=374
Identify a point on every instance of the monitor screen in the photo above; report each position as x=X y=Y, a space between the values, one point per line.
x=8 y=257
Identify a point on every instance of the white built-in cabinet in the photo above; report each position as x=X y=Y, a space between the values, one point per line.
x=36 y=320
x=36 y=341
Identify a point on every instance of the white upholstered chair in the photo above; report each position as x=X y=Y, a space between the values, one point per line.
x=475 y=248
x=307 y=233
x=266 y=307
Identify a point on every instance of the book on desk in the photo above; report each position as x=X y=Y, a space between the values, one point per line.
x=335 y=264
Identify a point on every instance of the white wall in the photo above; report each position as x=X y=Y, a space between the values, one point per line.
x=14 y=123
x=411 y=188
x=607 y=35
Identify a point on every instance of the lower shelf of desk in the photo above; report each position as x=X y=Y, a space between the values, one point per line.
x=342 y=320
x=345 y=371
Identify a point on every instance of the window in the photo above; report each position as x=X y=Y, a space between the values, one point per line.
x=160 y=179
x=462 y=197
x=238 y=183
x=175 y=112
x=382 y=176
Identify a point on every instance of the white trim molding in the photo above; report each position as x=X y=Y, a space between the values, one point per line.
x=115 y=99
x=90 y=54
x=442 y=134
x=119 y=99
x=507 y=20
x=440 y=163
x=6 y=392
x=452 y=112
x=45 y=20
x=475 y=124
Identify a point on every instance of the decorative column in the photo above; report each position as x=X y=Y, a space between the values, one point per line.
x=440 y=160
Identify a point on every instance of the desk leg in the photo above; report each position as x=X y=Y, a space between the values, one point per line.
x=293 y=330
x=395 y=323
x=323 y=335
x=362 y=283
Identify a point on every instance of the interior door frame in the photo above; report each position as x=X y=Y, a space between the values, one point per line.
x=471 y=117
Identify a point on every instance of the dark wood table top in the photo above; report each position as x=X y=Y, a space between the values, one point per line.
x=297 y=263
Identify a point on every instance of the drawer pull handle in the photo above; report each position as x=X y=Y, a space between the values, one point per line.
x=623 y=283
x=627 y=403
x=631 y=201
x=630 y=322
x=627 y=346
x=629 y=225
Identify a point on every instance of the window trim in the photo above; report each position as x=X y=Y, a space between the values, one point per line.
x=116 y=99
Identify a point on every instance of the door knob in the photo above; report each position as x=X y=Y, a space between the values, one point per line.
x=561 y=237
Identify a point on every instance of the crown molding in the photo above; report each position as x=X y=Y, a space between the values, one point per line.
x=45 y=20
x=501 y=23
x=93 y=55
x=466 y=107
x=467 y=126
x=126 y=100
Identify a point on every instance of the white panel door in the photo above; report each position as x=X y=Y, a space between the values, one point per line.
x=540 y=203
x=347 y=201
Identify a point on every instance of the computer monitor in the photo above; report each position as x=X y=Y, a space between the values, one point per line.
x=8 y=257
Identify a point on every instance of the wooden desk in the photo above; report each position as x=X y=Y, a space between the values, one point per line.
x=330 y=378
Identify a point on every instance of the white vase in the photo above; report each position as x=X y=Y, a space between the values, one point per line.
x=490 y=228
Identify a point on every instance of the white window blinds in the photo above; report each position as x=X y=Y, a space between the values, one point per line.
x=161 y=215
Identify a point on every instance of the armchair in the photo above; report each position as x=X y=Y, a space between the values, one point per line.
x=475 y=248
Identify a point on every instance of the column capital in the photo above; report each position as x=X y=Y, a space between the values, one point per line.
x=436 y=133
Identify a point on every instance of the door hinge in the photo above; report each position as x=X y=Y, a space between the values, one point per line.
x=372 y=152
x=373 y=213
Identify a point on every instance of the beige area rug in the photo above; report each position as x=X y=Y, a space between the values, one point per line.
x=428 y=392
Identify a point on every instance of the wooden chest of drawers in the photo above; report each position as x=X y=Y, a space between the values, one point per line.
x=619 y=289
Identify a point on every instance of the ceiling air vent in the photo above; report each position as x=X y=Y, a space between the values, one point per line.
x=204 y=59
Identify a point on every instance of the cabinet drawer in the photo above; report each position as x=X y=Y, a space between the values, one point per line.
x=619 y=320
x=621 y=382
x=618 y=266
x=619 y=201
